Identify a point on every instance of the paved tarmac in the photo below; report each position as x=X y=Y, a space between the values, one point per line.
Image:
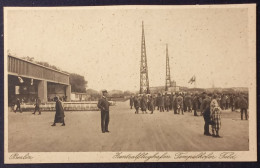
x=161 y=131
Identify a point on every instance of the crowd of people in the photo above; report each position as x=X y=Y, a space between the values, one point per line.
x=208 y=105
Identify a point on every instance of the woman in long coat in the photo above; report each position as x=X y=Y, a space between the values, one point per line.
x=215 y=115
x=59 y=115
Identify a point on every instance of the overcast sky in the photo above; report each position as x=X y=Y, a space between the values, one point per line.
x=104 y=45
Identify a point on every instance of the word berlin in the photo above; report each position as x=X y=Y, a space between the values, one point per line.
x=142 y=155
x=19 y=156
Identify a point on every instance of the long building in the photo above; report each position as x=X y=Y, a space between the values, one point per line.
x=28 y=80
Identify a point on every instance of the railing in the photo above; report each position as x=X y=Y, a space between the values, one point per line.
x=68 y=106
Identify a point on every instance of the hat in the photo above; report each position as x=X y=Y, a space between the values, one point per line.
x=104 y=91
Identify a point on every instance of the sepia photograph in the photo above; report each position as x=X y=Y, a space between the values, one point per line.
x=130 y=84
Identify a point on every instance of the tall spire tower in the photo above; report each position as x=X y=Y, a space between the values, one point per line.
x=144 y=81
x=168 y=74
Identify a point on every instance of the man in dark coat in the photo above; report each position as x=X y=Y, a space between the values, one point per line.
x=243 y=105
x=136 y=104
x=174 y=104
x=103 y=105
x=18 y=105
x=167 y=102
x=59 y=115
x=237 y=100
x=151 y=103
x=131 y=102
x=37 y=105
x=223 y=102
x=195 y=104
x=161 y=103
x=144 y=104
x=205 y=109
x=188 y=102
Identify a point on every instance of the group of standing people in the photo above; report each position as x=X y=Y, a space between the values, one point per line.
x=212 y=107
x=143 y=102
x=209 y=105
x=178 y=102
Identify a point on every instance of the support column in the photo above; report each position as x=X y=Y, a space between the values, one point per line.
x=42 y=91
x=68 y=92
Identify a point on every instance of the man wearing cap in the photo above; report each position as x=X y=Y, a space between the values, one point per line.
x=59 y=115
x=205 y=109
x=103 y=105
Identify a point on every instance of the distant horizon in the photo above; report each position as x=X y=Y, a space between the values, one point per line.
x=164 y=86
x=35 y=61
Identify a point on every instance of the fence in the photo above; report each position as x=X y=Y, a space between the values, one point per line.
x=68 y=106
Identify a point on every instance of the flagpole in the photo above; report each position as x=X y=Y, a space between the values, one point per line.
x=195 y=81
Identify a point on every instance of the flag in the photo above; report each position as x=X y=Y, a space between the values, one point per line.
x=193 y=79
x=31 y=81
x=20 y=79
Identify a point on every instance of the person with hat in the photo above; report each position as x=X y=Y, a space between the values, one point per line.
x=243 y=105
x=37 y=106
x=205 y=110
x=59 y=115
x=144 y=104
x=103 y=105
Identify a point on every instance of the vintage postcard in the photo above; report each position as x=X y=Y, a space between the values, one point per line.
x=130 y=84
